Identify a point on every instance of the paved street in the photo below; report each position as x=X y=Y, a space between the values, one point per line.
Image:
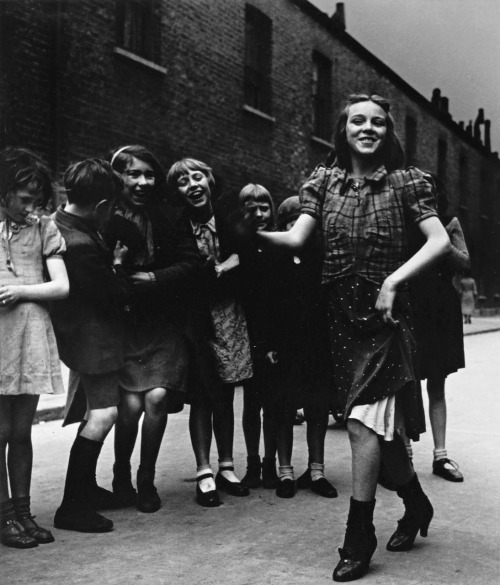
x=265 y=540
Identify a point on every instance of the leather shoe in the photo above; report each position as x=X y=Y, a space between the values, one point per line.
x=231 y=487
x=320 y=486
x=447 y=469
x=31 y=528
x=286 y=488
x=13 y=535
x=208 y=499
x=148 y=500
x=81 y=519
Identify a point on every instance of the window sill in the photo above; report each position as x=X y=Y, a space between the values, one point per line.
x=321 y=142
x=140 y=60
x=259 y=114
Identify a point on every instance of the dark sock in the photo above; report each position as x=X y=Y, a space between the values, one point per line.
x=7 y=511
x=22 y=507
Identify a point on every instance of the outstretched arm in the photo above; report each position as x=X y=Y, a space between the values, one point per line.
x=437 y=245
x=293 y=239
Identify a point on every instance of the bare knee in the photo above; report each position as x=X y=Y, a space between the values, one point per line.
x=357 y=431
x=155 y=402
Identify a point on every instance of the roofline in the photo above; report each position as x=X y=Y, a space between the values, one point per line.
x=350 y=42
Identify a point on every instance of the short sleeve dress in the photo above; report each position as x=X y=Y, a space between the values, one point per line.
x=29 y=361
x=365 y=238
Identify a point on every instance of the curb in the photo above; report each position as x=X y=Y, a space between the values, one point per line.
x=482 y=331
x=49 y=414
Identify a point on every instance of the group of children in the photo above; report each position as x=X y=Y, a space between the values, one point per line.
x=152 y=301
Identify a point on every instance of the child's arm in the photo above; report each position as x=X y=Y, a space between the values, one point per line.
x=56 y=288
x=232 y=262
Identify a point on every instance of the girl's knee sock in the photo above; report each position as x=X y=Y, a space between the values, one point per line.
x=317 y=470
x=226 y=469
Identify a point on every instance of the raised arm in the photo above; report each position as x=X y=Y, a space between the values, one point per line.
x=437 y=246
x=293 y=239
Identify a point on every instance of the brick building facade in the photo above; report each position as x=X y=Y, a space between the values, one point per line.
x=251 y=87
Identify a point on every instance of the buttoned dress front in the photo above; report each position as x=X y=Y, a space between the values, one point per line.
x=29 y=361
x=364 y=231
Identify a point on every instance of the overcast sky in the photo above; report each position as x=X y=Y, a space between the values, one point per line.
x=450 y=44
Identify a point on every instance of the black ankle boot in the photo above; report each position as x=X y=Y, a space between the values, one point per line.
x=269 y=476
x=418 y=515
x=123 y=489
x=252 y=476
x=359 y=544
x=76 y=511
x=148 y=500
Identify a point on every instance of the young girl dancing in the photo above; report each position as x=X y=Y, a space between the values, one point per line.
x=29 y=362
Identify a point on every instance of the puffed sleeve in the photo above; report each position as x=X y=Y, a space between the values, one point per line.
x=312 y=193
x=53 y=243
x=419 y=196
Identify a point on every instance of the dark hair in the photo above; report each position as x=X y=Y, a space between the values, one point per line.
x=92 y=180
x=392 y=155
x=21 y=168
x=254 y=192
x=182 y=167
x=120 y=158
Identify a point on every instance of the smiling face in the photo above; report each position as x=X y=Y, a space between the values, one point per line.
x=366 y=129
x=139 y=182
x=21 y=204
x=194 y=189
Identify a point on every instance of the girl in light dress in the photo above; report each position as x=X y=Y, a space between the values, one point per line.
x=32 y=272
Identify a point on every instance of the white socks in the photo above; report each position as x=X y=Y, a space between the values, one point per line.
x=285 y=472
x=440 y=454
x=317 y=471
x=207 y=484
x=226 y=469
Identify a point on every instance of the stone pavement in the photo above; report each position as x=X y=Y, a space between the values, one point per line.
x=263 y=539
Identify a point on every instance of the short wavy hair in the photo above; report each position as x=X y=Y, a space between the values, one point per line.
x=182 y=167
x=392 y=155
x=255 y=192
x=89 y=181
x=21 y=168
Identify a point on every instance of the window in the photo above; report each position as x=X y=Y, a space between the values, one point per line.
x=410 y=141
x=442 y=161
x=258 y=54
x=322 y=99
x=138 y=28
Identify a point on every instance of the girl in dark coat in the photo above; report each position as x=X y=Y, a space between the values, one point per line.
x=161 y=263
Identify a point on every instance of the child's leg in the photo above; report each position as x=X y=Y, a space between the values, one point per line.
x=77 y=510
x=130 y=410
x=223 y=417
x=153 y=429
x=20 y=457
x=5 y=434
x=284 y=440
x=200 y=430
x=442 y=465
x=251 y=420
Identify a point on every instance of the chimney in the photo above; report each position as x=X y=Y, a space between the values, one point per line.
x=337 y=19
x=477 y=123
x=461 y=125
x=445 y=103
x=487 y=139
x=436 y=98
x=468 y=130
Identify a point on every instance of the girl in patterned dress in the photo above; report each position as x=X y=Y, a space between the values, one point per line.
x=364 y=206
x=29 y=362
x=217 y=332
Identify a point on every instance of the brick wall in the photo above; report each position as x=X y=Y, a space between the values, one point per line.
x=68 y=94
